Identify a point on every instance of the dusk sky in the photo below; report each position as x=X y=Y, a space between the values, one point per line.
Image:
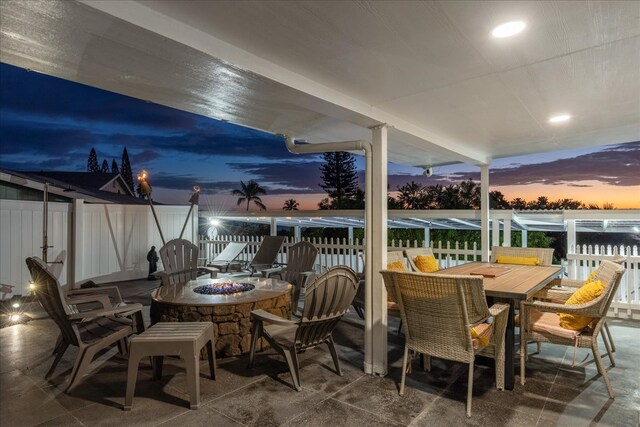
x=51 y=124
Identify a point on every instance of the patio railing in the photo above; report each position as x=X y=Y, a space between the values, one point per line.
x=331 y=252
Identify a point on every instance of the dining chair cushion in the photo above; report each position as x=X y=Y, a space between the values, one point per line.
x=548 y=323
x=586 y=293
x=397 y=266
x=481 y=335
x=426 y=264
x=520 y=260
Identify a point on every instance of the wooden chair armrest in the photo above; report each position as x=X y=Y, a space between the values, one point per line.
x=265 y=316
x=101 y=299
x=267 y=272
x=211 y=271
x=111 y=291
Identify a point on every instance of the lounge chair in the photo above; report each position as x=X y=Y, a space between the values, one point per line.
x=327 y=299
x=180 y=260
x=266 y=256
x=227 y=259
x=90 y=331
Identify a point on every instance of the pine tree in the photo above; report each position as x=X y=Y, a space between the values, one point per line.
x=92 y=163
x=105 y=167
x=339 y=178
x=126 y=172
x=114 y=167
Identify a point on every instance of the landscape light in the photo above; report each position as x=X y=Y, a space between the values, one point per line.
x=508 y=29
x=15 y=318
x=32 y=286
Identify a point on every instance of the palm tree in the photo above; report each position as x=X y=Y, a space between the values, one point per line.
x=290 y=205
x=249 y=193
x=412 y=196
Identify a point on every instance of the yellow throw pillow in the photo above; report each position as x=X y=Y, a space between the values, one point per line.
x=591 y=277
x=586 y=293
x=426 y=264
x=520 y=260
x=397 y=266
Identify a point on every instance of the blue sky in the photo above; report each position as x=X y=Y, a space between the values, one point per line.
x=51 y=124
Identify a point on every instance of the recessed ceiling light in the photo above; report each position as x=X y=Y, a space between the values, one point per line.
x=559 y=118
x=508 y=29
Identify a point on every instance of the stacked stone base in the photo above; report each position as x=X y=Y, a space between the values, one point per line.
x=231 y=323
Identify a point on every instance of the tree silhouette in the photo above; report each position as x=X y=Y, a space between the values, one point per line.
x=92 y=162
x=125 y=170
x=105 y=167
x=340 y=180
x=114 y=166
x=412 y=196
x=250 y=193
x=290 y=205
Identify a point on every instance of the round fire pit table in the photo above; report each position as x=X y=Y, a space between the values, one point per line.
x=227 y=303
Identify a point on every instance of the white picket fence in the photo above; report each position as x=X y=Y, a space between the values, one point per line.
x=333 y=252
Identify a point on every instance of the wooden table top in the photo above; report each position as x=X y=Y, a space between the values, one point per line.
x=519 y=281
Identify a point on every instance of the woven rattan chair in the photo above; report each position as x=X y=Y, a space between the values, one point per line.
x=438 y=312
x=299 y=268
x=326 y=300
x=90 y=331
x=545 y=255
x=539 y=319
x=180 y=260
x=412 y=253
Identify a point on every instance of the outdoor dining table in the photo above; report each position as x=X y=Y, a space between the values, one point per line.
x=508 y=283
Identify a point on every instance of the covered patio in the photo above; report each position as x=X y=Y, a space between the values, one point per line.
x=415 y=83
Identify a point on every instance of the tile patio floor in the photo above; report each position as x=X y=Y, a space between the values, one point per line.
x=555 y=393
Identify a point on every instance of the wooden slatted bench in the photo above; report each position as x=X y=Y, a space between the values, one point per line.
x=184 y=339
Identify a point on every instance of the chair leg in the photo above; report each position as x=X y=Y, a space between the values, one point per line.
x=608 y=332
x=156 y=367
x=399 y=327
x=132 y=377
x=359 y=312
x=122 y=346
x=58 y=343
x=256 y=333
x=84 y=358
x=470 y=389
x=211 y=355
x=192 y=362
x=334 y=354
x=601 y=369
x=404 y=369
x=608 y=348
x=61 y=348
x=523 y=357
x=538 y=347
x=294 y=369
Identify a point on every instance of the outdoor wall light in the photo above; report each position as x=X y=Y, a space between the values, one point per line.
x=214 y=222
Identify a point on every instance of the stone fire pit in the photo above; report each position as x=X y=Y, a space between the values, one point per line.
x=229 y=312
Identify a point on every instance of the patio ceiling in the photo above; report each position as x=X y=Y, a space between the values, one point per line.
x=596 y=221
x=327 y=71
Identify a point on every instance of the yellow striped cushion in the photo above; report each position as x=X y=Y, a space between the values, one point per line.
x=397 y=266
x=520 y=260
x=586 y=293
x=426 y=264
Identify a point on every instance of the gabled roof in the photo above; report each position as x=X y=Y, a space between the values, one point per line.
x=75 y=185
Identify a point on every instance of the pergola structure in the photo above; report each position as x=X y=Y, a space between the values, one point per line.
x=419 y=83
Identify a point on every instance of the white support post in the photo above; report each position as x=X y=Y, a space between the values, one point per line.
x=350 y=235
x=76 y=260
x=484 y=211
x=297 y=233
x=506 y=236
x=495 y=232
x=524 y=239
x=571 y=248
x=427 y=236
x=274 y=226
x=375 y=339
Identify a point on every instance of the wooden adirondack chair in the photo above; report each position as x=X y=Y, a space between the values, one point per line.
x=180 y=260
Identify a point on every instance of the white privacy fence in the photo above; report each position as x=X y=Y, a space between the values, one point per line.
x=333 y=252
x=102 y=242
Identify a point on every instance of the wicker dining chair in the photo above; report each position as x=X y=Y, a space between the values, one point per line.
x=438 y=312
x=539 y=320
x=545 y=255
x=413 y=253
x=326 y=300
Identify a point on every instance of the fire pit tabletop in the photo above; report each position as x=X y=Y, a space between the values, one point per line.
x=183 y=293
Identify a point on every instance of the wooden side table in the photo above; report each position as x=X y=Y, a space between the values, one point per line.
x=184 y=339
